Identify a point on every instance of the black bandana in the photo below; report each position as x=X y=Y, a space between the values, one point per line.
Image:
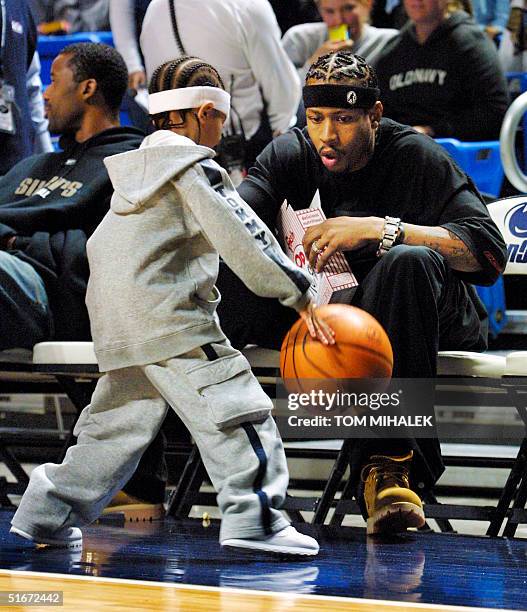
x=340 y=96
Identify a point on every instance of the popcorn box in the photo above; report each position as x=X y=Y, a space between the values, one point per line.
x=337 y=274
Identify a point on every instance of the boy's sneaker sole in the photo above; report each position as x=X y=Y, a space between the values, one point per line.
x=288 y=541
x=263 y=547
x=73 y=539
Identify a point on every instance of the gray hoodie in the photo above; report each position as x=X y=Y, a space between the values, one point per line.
x=154 y=257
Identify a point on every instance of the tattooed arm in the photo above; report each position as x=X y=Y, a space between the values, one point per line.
x=350 y=233
x=445 y=242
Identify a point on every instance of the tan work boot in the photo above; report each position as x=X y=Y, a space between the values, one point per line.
x=133 y=508
x=391 y=505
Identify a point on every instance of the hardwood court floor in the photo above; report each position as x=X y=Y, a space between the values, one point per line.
x=411 y=571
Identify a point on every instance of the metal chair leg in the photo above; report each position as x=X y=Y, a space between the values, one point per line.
x=189 y=483
x=337 y=474
x=509 y=490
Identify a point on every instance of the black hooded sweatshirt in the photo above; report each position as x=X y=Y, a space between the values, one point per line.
x=453 y=82
x=52 y=203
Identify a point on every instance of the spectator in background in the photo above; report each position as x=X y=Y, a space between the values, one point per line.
x=513 y=46
x=293 y=12
x=441 y=75
x=492 y=16
x=23 y=128
x=306 y=42
x=41 y=138
x=388 y=14
x=241 y=38
x=126 y=19
x=70 y=16
x=51 y=203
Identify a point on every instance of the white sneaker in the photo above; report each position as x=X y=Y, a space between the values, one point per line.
x=70 y=537
x=288 y=541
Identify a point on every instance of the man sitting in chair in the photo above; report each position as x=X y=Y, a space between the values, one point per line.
x=415 y=231
x=51 y=203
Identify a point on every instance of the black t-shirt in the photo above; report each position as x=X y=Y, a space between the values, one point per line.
x=409 y=176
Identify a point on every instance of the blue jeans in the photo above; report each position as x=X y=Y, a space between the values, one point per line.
x=25 y=317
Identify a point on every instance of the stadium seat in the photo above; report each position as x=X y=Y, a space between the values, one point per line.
x=49 y=47
x=480 y=160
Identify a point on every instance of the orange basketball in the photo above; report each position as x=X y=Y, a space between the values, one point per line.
x=361 y=350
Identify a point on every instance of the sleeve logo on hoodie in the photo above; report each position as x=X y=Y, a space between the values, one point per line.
x=30 y=186
x=419 y=75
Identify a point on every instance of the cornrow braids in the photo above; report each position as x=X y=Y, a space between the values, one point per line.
x=185 y=71
x=342 y=67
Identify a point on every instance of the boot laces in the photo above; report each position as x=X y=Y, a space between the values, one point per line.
x=386 y=471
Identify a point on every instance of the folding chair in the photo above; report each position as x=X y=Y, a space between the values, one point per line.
x=55 y=368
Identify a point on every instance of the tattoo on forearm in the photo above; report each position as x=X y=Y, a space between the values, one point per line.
x=455 y=251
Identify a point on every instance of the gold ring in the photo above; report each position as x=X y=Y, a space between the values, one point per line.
x=315 y=248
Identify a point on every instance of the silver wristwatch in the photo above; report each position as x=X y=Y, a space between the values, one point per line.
x=392 y=227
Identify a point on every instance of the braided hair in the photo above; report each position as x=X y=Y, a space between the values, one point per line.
x=185 y=71
x=342 y=67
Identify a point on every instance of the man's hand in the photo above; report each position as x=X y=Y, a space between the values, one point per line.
x=340 y=234
x=136 y=80
x=331 y=47
x=317 y=327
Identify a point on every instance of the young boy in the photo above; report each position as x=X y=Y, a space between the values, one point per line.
x=152 y=300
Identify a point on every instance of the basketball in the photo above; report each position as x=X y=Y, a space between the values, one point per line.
x=361 y=350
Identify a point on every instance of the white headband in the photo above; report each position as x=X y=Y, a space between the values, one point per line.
x=188 y=97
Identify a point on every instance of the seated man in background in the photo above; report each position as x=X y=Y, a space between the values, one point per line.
x=306 y=42
x=51 y=203
x=442 y=74
x=415 y=231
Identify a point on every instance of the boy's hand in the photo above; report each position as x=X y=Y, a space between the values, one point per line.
x=317 y=327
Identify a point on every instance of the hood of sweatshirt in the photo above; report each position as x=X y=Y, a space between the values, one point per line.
x=137 y=175
x=456 y=20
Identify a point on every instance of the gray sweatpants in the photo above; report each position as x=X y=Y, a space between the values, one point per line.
x=225 y=410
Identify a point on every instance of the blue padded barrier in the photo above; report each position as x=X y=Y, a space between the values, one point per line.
x=480 y=160
x=49 y=47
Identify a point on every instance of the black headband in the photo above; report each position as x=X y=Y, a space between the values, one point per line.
x=340 y=96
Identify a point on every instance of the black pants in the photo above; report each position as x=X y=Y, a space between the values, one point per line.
x=422 y=305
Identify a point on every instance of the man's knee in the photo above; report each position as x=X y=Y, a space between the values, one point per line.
x=407 y=260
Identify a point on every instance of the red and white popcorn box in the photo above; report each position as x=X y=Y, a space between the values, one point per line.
x=337 y=274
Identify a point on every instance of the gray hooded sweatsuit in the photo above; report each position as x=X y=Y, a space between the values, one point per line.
x=152 y=301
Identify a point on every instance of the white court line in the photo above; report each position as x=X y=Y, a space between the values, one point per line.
x=237 y=591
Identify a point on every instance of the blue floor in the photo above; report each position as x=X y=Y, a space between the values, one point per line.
x=421 y=567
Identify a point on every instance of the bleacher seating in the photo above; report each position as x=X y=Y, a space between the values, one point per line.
x=49 y=47
x=480 y=160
